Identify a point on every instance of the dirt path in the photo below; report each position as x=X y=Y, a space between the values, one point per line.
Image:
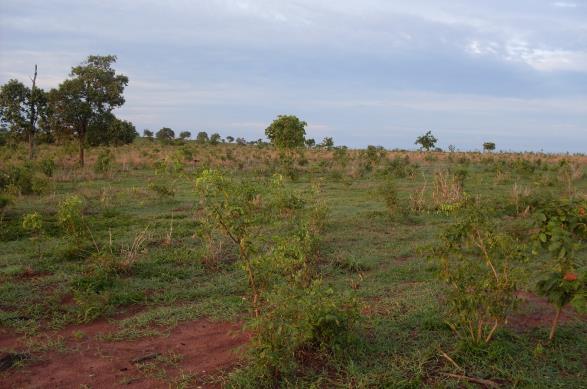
x=191 y=352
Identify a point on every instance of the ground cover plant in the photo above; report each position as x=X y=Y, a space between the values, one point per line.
x=328 y=266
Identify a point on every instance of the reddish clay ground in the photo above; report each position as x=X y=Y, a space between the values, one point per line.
x=200 y=348
x=536 y=311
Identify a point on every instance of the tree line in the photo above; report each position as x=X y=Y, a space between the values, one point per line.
x=80 y=108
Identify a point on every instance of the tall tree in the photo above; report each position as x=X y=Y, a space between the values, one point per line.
x=93 y=90
x=21 y=107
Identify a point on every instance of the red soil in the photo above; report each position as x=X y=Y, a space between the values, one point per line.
x=200 y=348
x=536 y=311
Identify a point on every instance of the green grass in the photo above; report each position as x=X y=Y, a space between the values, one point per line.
x=402 y=334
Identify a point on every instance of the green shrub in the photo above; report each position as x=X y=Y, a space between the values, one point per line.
x=104 y=162
x=477 y=264
x=47 y=166
x=298 y=325
x=562 y=231
x=70 y=216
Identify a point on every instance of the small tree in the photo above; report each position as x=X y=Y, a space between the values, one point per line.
x=122 y=132
x=165 y=135
x=148 y=134
x=21 y=107
x=562 y=231
x=202 y=138
x=488 y=146
x=184 y=135
x=230 y=139
x=327 y=143
x=241 y=141
x=33 y=223
x=310 y=143
x=215 y=138
x=287 y=132
x=426 y=141
x=94 y=90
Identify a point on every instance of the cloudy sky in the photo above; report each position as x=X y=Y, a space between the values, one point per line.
x=364 y=72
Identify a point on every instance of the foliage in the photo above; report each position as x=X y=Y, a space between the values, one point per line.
x=426 y=141
x=184 y=135
x=327 y=143
x=47 y=166
x=388 y=191
x=371 y=157
x=215 y=139
x=287 y=132
x=70 y=216
x=488 y=146
x=104 y=162
x=93 y=91
x=148 y=134
x=561 y=230
x=301 y=323
x=20 y=109
x=477 y=264
x=202 y=138
x=33 y=223
x=165 y=135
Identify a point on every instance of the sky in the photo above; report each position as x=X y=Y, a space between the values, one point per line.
x=377 y=72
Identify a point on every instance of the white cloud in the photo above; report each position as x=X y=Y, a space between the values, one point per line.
x=564 y=4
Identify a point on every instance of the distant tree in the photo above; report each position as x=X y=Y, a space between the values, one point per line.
x=202 y=137
x=310 y=143
x=327 y=143
x=20 y=109
x=230 y=139
x=287 y=132
x=184 y=135
x=94 y=90
x=215 y=138
x=488 y=146
x=148 y=134
x=426 y=141
x=121 y=132
x=165 y=135
x=241 y=141
x=110 y=131
x=452 y=148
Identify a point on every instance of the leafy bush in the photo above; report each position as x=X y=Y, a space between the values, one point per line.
x=561 y=231
x=298 y=324
x=390 y=195
x=47 y=166
x=70 y=216
x=104 y=162
x=477 y=263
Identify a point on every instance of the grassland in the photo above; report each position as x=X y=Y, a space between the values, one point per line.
x=142 y=207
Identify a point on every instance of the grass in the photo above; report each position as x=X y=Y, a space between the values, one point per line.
x=380 y=257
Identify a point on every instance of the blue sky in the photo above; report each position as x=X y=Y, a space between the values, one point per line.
x=364 y=72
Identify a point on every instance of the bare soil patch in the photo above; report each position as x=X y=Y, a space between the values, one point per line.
x=198 y=349
x=535 y=311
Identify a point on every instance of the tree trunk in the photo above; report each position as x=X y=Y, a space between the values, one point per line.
x=81 y=152
x=31 y=145
x=555 y=323
x=33 y=117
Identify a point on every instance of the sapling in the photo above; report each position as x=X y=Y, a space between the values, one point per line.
x=561 y=230
x=33 y=223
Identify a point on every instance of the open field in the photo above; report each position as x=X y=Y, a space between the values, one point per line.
x=134 y=290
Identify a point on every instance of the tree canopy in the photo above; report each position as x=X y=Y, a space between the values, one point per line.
x=165 y=134
x=426 y=141
x=20 y=109
x=287 y=132
x=93 y=90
